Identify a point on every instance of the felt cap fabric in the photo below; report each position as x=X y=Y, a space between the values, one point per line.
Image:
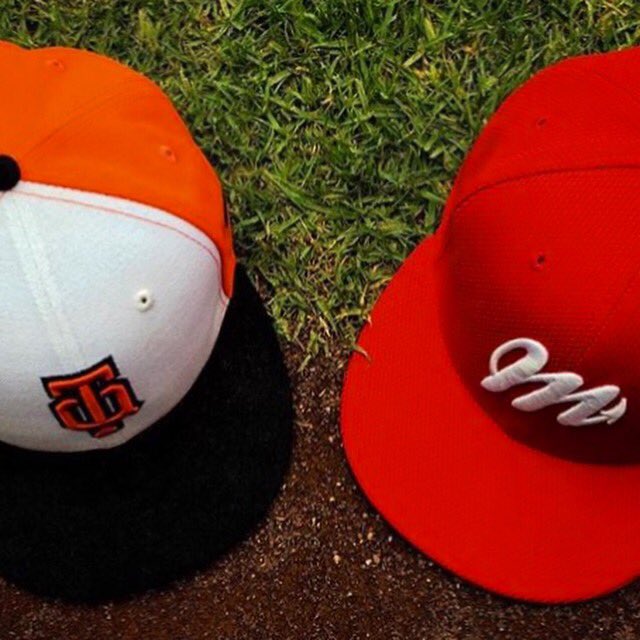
x=145 y=411
x=492 y=412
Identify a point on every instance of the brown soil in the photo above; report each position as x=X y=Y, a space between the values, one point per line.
x=324 y=566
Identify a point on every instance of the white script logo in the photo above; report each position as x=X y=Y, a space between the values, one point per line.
x=589 y=404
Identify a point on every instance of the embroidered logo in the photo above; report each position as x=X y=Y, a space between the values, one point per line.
x=96 y=400
x=588 y=405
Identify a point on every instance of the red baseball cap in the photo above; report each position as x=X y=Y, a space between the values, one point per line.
x=492 y=413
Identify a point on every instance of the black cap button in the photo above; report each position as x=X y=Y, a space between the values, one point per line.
x=9 y=173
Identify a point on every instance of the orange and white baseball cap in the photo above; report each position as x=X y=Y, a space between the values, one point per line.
x=145 y=413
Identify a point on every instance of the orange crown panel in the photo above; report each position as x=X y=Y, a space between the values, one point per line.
x=79 y=120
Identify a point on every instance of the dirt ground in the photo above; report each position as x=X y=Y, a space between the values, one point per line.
x=324 y=566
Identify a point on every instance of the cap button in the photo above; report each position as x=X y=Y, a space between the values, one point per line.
x=9 y=173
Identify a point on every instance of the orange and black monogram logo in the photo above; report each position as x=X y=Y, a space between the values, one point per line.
x=96 y=400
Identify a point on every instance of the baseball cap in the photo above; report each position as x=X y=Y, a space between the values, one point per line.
x=145 y=410
x=492 y=413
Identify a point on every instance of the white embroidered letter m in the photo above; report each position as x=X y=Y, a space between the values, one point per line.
x=588 y=404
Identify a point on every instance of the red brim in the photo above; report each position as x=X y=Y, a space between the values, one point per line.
x=502 y=515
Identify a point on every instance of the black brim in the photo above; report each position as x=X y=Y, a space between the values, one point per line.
x=105 y=524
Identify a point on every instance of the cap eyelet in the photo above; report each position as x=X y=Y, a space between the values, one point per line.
x=541 y=122
x=539 y=261
x=56 y=64
x=144 y=300
x=168 y=153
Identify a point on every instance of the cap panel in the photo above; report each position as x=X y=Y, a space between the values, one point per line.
x=577 y=113
x=534 y=259
x=106 y=129
x=129 y=315
x=43 y=89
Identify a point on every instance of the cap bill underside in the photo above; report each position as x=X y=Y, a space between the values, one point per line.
x=104 y=524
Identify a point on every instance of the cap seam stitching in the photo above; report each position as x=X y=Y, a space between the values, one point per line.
x=117 y=90
x=613 y=83
x=557 y=68
x=111 y=210
x=466 y=201
x=615 y=305
x=68 y=347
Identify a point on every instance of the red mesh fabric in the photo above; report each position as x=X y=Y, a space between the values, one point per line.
x=539 y=240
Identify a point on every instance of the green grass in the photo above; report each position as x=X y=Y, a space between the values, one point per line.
x=336 y=126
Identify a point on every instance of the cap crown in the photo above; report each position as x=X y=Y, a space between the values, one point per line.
x=116 y=258
x=79 y=120
x=539 y=243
